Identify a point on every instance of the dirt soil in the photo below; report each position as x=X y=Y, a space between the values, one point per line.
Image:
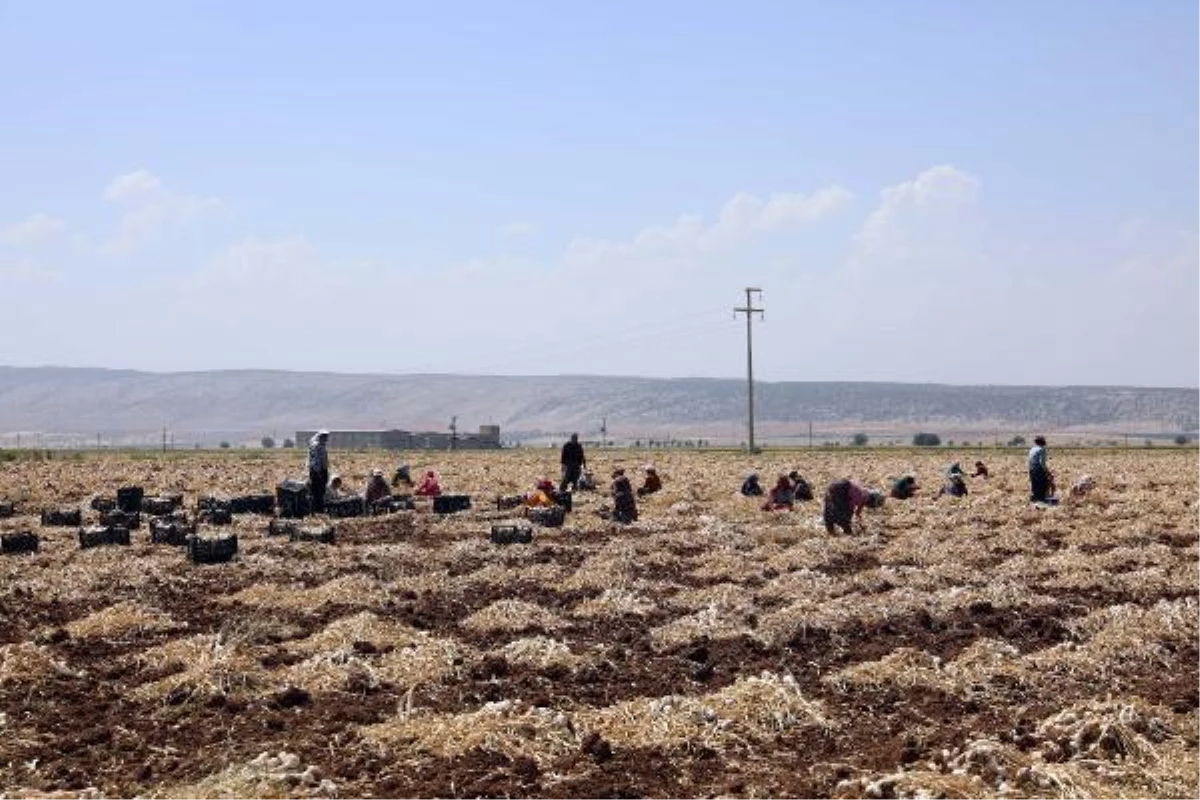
x=951 y=647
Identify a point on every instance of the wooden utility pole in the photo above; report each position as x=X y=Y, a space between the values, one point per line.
x=749 y=310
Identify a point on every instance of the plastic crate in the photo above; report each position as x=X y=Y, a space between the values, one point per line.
x=294 y=499
x=19 y=542
x=212 y=549
x=346 y=507
x=253 y=504
x=129 y=499
x=547 y=516
x=169 y=531
x=451 y=503
x=63 y=517
x=325 y=535
x=511 y=534
x=121 y=519
x=99 y=536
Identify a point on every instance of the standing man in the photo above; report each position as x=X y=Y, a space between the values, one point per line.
x=318 y=469
x=1039 y=472
x=573 y=462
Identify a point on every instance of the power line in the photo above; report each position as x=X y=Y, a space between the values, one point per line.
x=749 y=310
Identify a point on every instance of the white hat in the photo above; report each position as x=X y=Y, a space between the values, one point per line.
x=322 y=433
x=378 y=473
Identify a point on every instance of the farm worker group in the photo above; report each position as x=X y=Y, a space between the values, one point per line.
x=843 y=503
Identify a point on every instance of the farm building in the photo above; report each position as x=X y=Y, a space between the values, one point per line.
x=488 y=438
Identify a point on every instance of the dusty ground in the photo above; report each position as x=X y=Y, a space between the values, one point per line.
x=972 y=647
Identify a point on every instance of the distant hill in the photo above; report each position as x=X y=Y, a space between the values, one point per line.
x=251 y=403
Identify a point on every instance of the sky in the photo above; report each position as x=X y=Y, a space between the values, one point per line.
x=925 y=191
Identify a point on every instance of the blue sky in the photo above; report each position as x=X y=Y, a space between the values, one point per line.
x=926 y=191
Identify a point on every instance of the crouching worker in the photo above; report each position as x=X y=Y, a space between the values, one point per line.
x=801 y=491
x=844 y=501
x=337 y=489
x=782 y=496
x=542 y=496
x=402 y=477
x=652 y=484
x=751 y=487
x=956 y=483
x=430 y=486
x=624 y=504
x=377 y=488
x=904 y=487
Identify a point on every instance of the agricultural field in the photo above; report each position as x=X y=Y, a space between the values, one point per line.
x=971 y=647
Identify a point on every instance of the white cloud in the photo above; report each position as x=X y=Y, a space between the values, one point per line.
x=518 y=229
x=150 y=207
x=742 y=217
x=256 y=261
x=924 y=221
x=36 y=230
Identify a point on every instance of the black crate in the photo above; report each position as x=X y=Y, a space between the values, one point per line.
x=564 y=501
x=19 y=542
x=161 y=506
x=282 y=527
x=451 y=503
x=216 y=515
x=208 y=503
x=253 y=504
x=121 y=519
x=102 y=503
x=63 y=517
x=129 y=499
x=325 y=535
x=511 y=534
x=294 y=499
x=169 y=531
x=7 y=509
x=102 y=535
x=212 y=549
x=346 y=507
x=504 y=502
x=547 y=516
x=390 y=505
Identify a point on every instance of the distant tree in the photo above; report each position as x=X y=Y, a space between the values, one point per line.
x=950 y=443
x=1181 y=439
x=1016 y=441
x=927 y=440
x=860 y=440
x=224 y=445
x=268 y=442
x=288 y=444
x=1147 y=443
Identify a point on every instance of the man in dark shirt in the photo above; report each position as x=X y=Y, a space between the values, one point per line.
x=573 y=462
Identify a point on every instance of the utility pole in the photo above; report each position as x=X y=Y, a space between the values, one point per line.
x=164 y=441
x=603 y=432
x=750 y=311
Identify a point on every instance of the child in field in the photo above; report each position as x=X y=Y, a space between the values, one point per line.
x=905 y=487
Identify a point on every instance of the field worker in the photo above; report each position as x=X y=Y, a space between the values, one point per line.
x=624 y=504
x=800 y=488
x=402 y=477
x=904 y=487
x=318 y=469
x=573 y=461
x=1082 y=486
x=1040 y=479
x=336 y=490
x=542 y=495
x=430 y=486
x=845 y=500
x=751 y=487
x=981 y=470
x=956 y=484
x=377 y=488
x=782 y=495
x=652 y=483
